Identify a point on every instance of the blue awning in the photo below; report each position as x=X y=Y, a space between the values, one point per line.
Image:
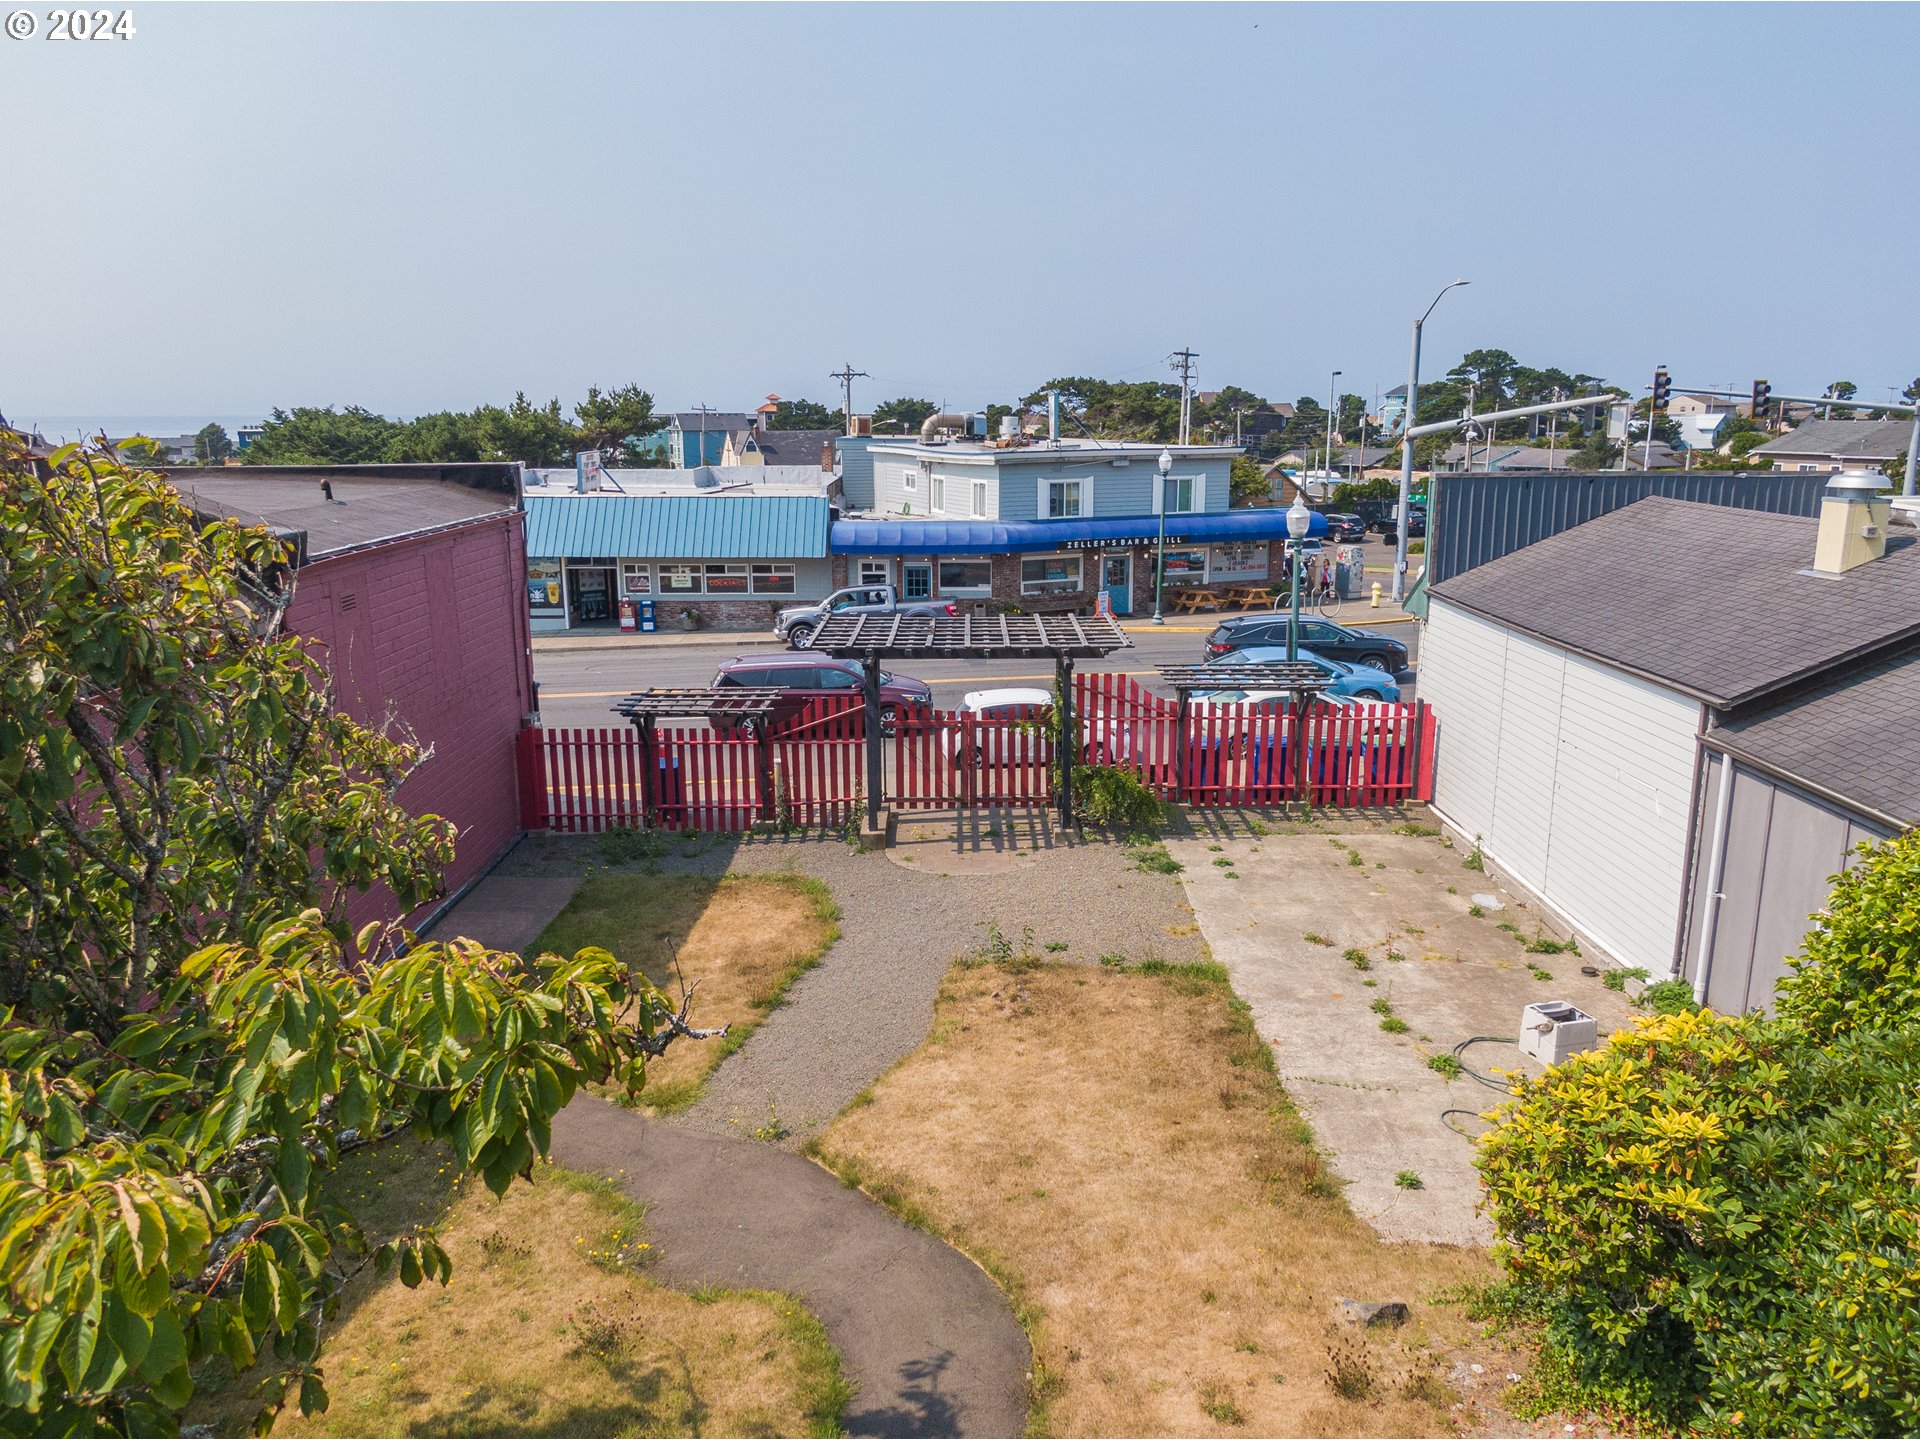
x=1005 y=537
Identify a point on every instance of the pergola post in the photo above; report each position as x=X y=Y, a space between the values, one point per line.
x=1301 y=700
x=1065 y=747
x=1180 y=745
x=871 y=665
x=646 y=722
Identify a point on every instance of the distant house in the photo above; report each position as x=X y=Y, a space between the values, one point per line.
x=694 y=437
x=1506 y=456
x=781 y=447
x=1393 y=410
x=1706 y=405
x=1674 y=769
x=1826 y=445
x=1700 y=429
x=411 y=580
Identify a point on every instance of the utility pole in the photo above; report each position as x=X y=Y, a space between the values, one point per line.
x=846 y=375
x=1333 y=408
x=1182 y=360
x=704 y=410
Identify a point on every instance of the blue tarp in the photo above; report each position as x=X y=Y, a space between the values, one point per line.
x=1004 y=537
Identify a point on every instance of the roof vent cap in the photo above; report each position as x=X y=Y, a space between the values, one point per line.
x=1857 y=485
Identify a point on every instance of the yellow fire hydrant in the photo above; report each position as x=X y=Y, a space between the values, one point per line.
x=1376 y=594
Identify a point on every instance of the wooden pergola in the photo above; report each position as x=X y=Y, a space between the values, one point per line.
x=748 y=703
x=1060 y=638
x=1301 y=679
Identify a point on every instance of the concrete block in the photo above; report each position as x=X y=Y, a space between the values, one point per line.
x=1551 y=1030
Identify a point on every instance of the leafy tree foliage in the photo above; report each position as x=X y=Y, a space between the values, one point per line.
x=1115 y=409
x=904 y=414
x=807 y=415
x=212 y=444
x=1247 y=482
x=1721 y=1208
x=612 y=422
x=1843 y=390
x=187 y=1040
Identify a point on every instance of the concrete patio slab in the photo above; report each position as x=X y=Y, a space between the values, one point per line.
x=507 y=912
x=1374 y=1104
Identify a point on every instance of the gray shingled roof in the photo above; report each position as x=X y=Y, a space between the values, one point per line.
x=1706 y=599
x=794 y=447
x=1855 y=739
x=715 y=421
x=1842 y=439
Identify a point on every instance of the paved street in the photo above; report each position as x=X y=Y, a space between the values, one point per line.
x=578 y=686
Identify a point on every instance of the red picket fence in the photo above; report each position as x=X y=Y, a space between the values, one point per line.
x=811 y=771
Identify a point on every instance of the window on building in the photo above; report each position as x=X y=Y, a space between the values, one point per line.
x=1049 y=574
x=1185 y=494
x=773 y=579
x=874 y=572
x=636 y=578
x=1239 y=560
x=916 y=580
x=966 y=574
x=726 y=579
x=1063 y=499
x=979 y=497
x=910 y=478
x=680 y=580
x=1186 y=567
x=937 y=492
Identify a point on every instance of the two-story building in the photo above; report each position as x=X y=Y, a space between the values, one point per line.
x=1039 y=523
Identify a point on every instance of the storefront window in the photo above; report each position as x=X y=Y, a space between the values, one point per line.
x=964 y=573
x=874 y=572
x=726 y=579
x=1186 y=567
x=543 y=584
x=1241 y=560
x=1050 y=574
x=679 y=579
x=636 y=579
x=773 y=579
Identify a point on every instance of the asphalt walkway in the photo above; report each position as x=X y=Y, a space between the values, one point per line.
x=923 y=1333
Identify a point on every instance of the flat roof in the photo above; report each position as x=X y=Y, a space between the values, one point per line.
x=370 y=503
x=1003 y=452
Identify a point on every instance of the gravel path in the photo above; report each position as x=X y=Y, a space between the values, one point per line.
x=869 y=1003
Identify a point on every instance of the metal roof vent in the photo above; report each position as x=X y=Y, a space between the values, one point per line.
x=1853 y=522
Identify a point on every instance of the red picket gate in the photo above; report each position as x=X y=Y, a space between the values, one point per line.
x=811 y=770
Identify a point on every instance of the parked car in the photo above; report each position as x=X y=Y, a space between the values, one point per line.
x=805 y=678
x=1021 y=744
x=1336 y=642
x=795 y=623
x=1360 y=682
x=1416 y=523
x=1349 y=529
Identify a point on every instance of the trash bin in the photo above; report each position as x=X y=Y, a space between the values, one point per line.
x=647 y=623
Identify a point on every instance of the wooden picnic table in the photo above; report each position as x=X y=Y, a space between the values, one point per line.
x=1248 y=597
x=1188 y=601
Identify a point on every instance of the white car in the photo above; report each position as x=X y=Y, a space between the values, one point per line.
x=1024 y=744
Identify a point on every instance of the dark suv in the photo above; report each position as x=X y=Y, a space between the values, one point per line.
x=1323 y=637
x=1346 y=529
x=804 y=678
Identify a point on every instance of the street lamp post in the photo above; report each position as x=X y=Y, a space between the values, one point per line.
x=1406 y=450
x=1299 y=520
x=1160 y=546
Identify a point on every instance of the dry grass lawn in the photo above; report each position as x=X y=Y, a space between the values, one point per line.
x=743 y=939
x=547 y=1327
x=1114 y=1147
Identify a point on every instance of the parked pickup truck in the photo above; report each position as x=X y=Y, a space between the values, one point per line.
x=796 y=623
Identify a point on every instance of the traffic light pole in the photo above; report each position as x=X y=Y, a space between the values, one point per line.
x=1907 y=481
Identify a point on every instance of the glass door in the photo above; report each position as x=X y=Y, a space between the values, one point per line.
x=916 y=579
x=1116 y=578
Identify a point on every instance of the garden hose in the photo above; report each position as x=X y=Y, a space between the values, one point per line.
x=1463 y=1134
x=1492 y=1084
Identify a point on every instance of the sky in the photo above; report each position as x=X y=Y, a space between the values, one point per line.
x=415 y=207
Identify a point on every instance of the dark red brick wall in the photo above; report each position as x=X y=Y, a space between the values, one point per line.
x=434 y=630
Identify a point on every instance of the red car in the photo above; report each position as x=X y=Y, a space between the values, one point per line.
x=804 y=678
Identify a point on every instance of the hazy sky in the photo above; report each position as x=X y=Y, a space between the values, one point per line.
x=418 y=206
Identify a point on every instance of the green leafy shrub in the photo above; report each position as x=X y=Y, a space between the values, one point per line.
x=1110 y=798
x=1719 y=1212
x=1669 y=997
x=1861 y=964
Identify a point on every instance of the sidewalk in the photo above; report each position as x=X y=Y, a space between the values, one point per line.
x=1357 y=613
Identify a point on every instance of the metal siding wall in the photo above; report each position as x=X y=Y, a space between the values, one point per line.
x=1477 y=518
x=1458 y=652
x=1525 y=781
x=856 y=472
x=1623 y=787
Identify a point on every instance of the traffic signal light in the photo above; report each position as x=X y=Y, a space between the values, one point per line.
x=1761 y=390
x=1662 y=388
